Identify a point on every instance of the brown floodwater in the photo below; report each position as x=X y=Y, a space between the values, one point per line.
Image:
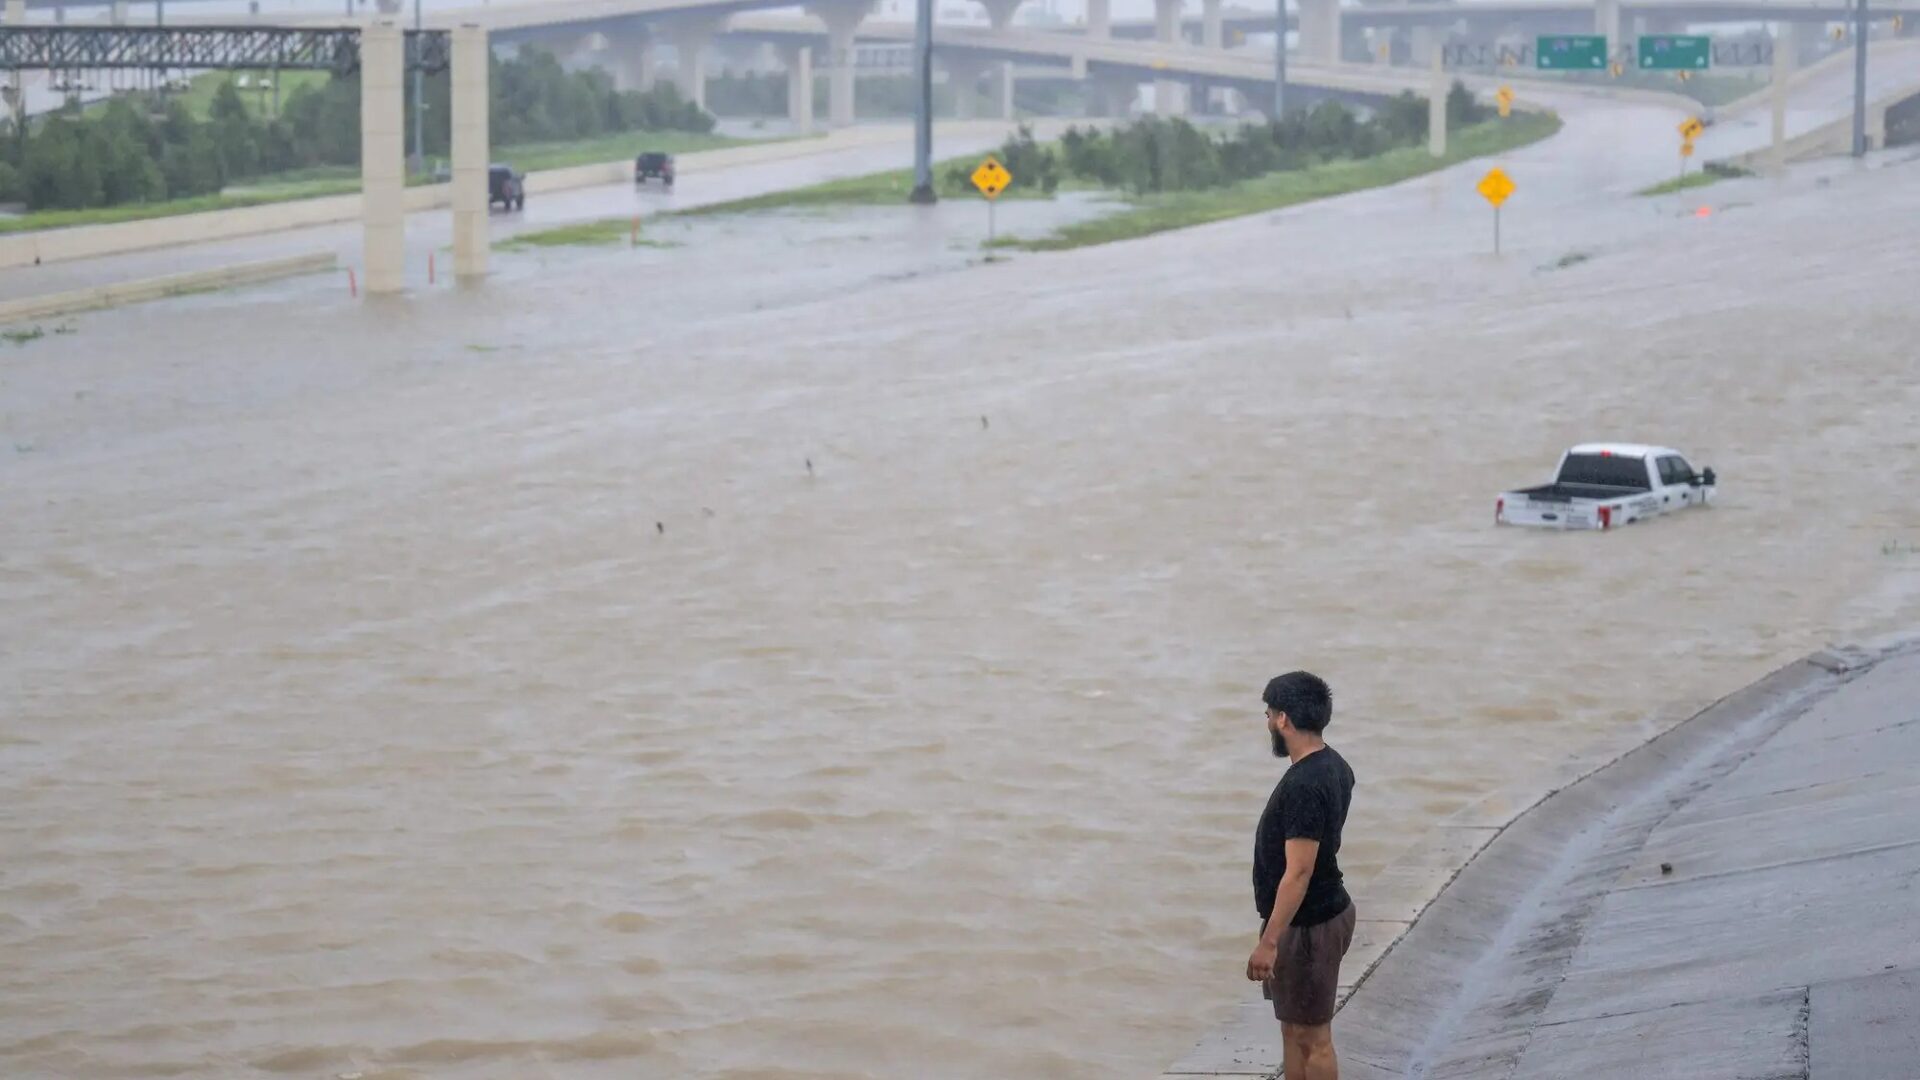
x=485 y=686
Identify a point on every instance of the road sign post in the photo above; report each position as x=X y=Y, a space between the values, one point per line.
x=1570 y=52
x=1690 y=129
x=923 y=104
x=991 y=178
x=1675 y=52
x=1495 y=187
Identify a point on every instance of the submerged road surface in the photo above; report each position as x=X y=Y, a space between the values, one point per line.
x=733 y=661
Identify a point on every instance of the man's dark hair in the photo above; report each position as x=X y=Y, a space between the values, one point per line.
x=1304 y=697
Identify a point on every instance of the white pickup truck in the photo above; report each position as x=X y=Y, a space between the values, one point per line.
x=1601 y=485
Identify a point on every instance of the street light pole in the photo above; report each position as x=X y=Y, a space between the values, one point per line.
x=1860 y=78
x=1279 y=60
x=923 y=109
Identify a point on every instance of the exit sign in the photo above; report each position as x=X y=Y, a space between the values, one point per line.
x=1570 y=52
x=1675 y=52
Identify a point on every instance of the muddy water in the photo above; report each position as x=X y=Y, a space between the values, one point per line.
x=486 y=689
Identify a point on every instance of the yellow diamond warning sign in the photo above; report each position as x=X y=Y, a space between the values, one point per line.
x=1691 y=128
x=992 y=178
x=1495 y=187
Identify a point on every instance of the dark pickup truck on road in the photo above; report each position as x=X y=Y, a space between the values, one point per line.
x=653 y=165
x=506 y=187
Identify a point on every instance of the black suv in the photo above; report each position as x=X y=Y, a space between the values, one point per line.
x=653 y=164
x=506 y=187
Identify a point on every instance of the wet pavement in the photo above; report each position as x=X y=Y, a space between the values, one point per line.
x=850 y=152
x=816 y=651
x=1733 y=900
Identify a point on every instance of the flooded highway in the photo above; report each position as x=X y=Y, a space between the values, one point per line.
x=812 y=651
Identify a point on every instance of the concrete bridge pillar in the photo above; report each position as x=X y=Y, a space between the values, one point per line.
x=691 y=36
x=1423 y=44
x=799 y=60
x=1320 y=31
x=117 y=12
x=1606 y=21
x=1212 y=35
x=1167 y=93
x=634 y=61
x=382 y=169
x=843 y=19
x=1000 y=14
x=1786 y=50
x=16 y=12
x=1112 y=95
x=470 y=151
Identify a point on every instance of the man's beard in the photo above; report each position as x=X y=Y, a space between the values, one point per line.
x=1279 y=743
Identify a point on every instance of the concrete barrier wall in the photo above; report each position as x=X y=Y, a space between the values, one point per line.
x=131 y=292
x=1830 y=139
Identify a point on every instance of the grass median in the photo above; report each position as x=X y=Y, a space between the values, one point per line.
x=1149 y=214
x=1712 y=174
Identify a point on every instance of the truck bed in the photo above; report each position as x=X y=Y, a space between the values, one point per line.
x=1570 y=492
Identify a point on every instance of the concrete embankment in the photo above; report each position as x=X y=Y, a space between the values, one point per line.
x=154 y=288
x=1735 y=898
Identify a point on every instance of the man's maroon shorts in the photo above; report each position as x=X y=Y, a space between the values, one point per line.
x=1306 y=975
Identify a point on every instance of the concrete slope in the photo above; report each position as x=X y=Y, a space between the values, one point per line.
x=1734 y=899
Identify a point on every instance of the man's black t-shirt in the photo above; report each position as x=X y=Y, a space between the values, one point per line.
x=1309 y=803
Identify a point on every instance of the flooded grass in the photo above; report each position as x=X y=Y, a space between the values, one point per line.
x=1178 y=210
x=1712 y=174
x=603 y=233
x=874 y=189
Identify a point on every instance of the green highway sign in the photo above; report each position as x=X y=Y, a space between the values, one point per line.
x=1570 y=52
x=1675 y=52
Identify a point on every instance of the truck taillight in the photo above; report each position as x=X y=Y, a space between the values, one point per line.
x=1606 y=517
x=1499 y=508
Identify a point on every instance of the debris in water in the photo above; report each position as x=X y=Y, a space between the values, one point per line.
x=983 y=423
x=660 y=527
x=1666 y=868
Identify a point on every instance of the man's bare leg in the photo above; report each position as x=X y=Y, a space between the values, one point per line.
x=1309 y=1052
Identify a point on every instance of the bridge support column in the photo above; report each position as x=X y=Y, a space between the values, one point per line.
x=963 y=75
x=1786 y=47
x=799 y=60
x=1423 y=45
x=1212 y=35
x=382 y=175
x=690 y=37
x=1167 y=93
x=1606 y=21
x=632 y=60
x=1113 y=95
x=468 y=79
x=1437 y=108
x=1320 y=31
x=842 y=20
x=1000 y=14
x=117 y=12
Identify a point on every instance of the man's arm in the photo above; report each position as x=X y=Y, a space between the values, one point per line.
x=1286 y=902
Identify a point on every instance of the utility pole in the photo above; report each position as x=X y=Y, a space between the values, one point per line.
x=1279 y=60
x=1860 y=78
x=419 y=105
x=923 y=192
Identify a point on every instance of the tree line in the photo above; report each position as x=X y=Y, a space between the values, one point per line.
x=1155 y=154
x=149 y=148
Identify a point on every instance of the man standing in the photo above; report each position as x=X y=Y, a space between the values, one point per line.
x=1307 y=917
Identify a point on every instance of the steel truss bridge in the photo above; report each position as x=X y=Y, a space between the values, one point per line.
x=225 y=48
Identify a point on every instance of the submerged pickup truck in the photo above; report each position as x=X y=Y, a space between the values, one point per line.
x=1601 y=485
